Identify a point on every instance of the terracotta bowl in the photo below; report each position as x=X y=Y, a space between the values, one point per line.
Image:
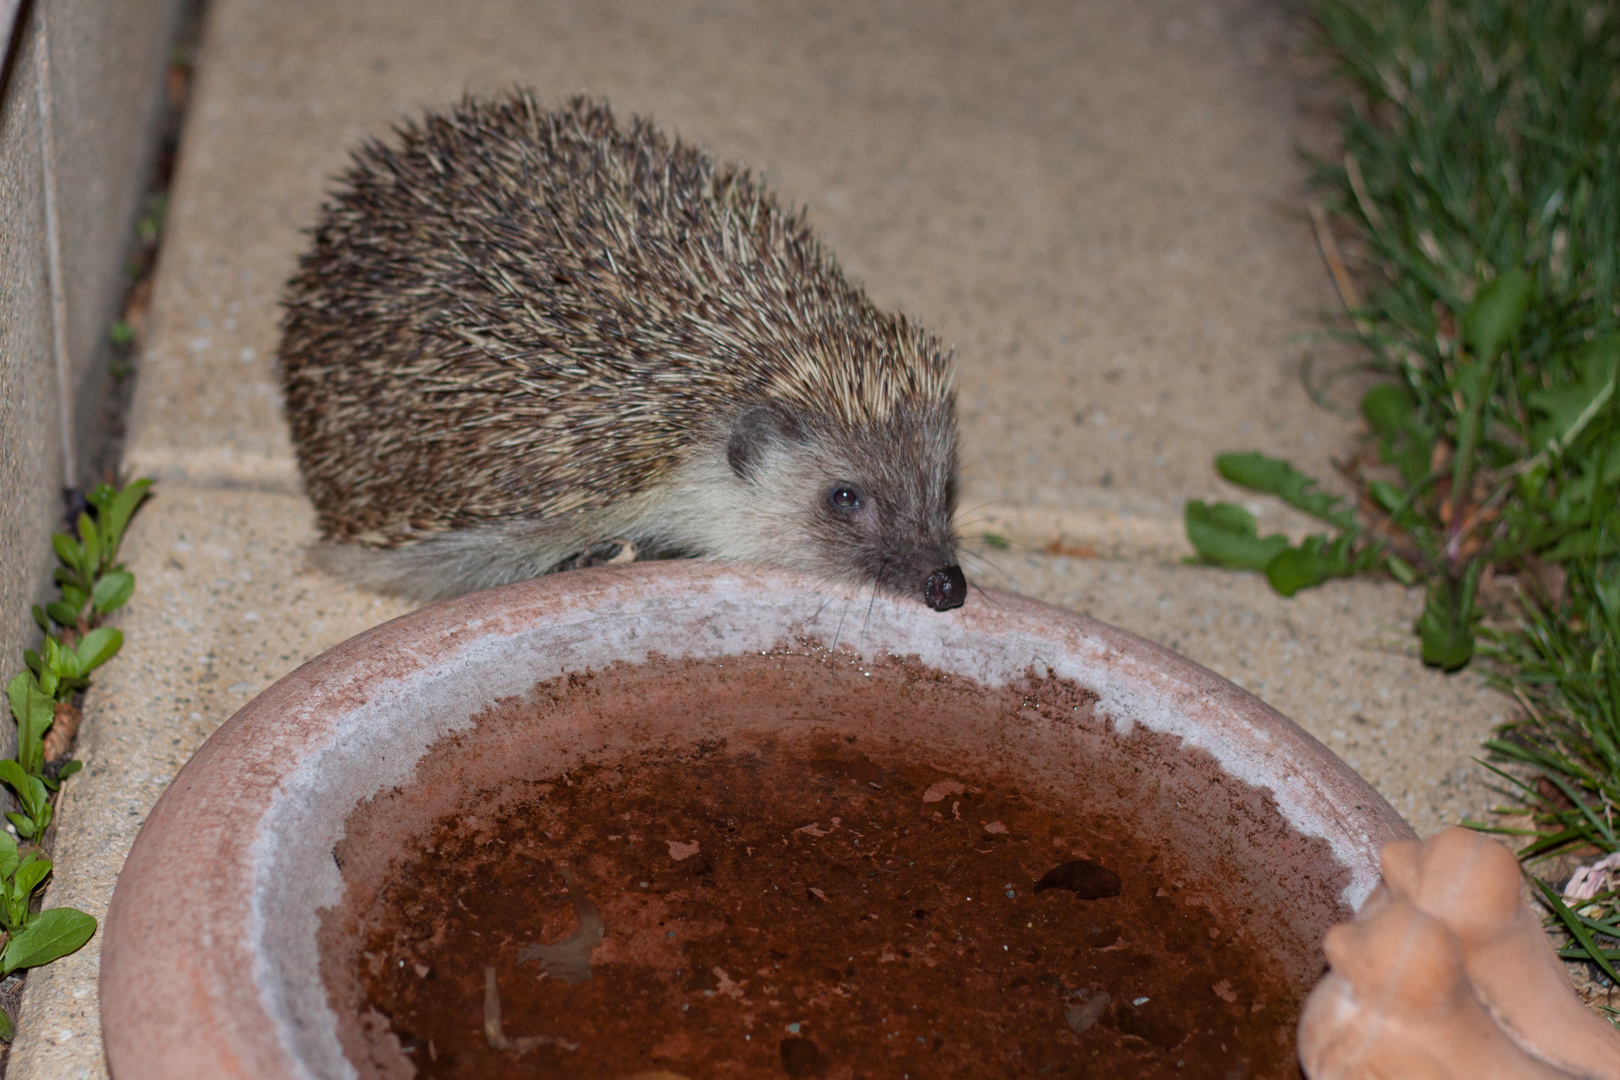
x=416 y=714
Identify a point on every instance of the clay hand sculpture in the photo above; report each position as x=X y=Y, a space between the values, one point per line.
x=1446 y=975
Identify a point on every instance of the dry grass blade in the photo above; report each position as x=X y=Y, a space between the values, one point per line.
x=1349 y=296
x=1358 y=186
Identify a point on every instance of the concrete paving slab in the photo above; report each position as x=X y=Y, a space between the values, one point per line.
x=1099 y=204
x=1339 y=660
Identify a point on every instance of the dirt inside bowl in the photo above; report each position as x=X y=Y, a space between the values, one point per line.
x=817 y=896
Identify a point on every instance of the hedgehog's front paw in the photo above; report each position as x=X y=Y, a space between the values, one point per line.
x=1397 y=1005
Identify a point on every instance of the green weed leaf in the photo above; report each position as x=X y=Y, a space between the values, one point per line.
x=1473 y=382
x=116 y=514
x=1583 y=545
x=68 y=552
x=42 y=619
x=31 y=872
x=1562 y=406
x=68 y=769
x=30 y=792
x=113 y=589
x=17 y=695
x=99 y=646
x=8 y=856
x=50 y=935
x=1225 y=535
x=42 y=815
x=15 y=911
x=1569 y=408
x=1388 y=409
x=1446 y=627
x=1401 y=570
x=100 y=496
x=33 y=710
x=1492 y=320
x=1313 y=562
x=1274 y=477
x=1386 y=495
x=15 y=776
x=63 y=614
x=90 y=541
x=22 y=823
x=1294 y=569
x=51 y=671
x=59 y=661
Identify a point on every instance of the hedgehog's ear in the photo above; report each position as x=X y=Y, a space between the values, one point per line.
x=754 y=431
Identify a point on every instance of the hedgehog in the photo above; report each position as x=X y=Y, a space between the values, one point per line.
x=525 y=340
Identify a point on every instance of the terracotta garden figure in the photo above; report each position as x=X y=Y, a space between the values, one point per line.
x=1446 y=974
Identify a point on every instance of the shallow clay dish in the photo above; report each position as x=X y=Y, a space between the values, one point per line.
x=1045 y=740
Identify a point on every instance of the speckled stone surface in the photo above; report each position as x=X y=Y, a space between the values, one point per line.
x=1099 y=204
x=1339 y=660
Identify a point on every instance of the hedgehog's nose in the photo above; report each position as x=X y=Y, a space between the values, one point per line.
x=946 y=588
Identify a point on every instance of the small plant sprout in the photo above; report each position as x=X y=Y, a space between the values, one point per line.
x=92 y=583
x=1225 y=534
x=32 y=937
x=90 y=573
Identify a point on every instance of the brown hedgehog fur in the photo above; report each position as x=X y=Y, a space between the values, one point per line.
x=520 y=333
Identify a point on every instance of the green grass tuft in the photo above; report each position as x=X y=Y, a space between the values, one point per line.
x=1482 y=175
x=1481 y=180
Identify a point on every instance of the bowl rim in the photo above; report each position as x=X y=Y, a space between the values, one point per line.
x=204 y=839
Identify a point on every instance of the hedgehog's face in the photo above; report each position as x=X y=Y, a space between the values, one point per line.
x=869 y=505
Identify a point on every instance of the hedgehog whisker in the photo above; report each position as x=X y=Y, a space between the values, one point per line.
x=822 y=586
x=982 y=562
x=827 y=598
x=838 y=633
x=866 y=624
x=968 y=517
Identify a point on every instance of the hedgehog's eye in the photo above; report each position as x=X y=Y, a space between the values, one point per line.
x=845 y=497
